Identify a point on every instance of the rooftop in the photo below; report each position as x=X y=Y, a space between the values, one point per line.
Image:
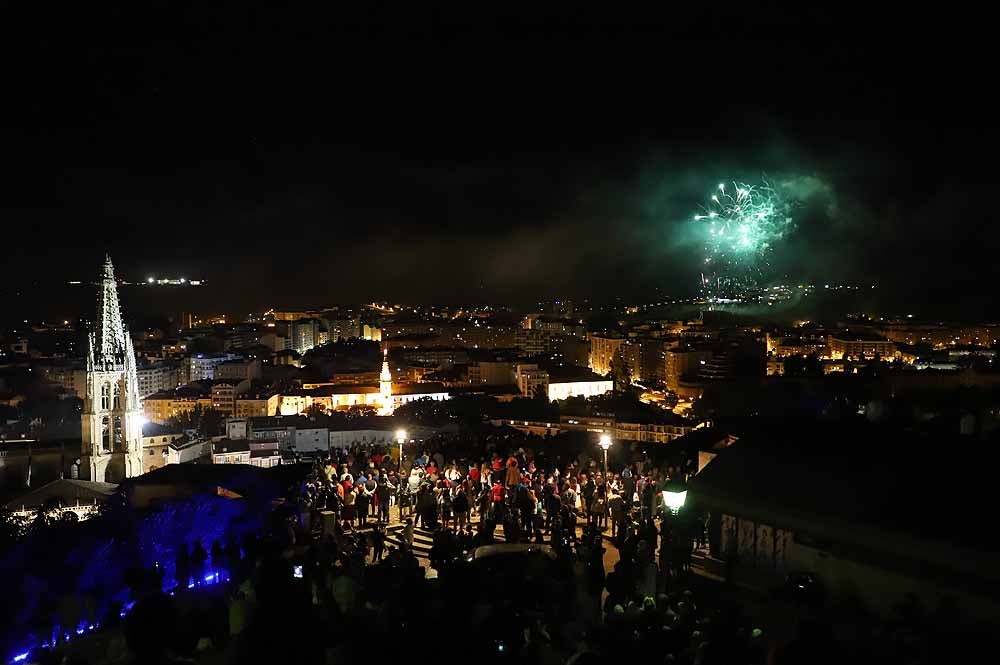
x=571 y=373
x=336 y=389
x=418 y=388
x=230 y=446
x=862 y=476
x=242 y=479
x=66 y=490
x=156 y=429
x=856 y=336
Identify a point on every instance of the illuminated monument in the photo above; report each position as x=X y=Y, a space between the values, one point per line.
x=111 y=449
x=385 y=386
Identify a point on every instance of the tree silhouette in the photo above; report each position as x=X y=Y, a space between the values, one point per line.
x=207 y=422
x=315 y=412
x=620 y=372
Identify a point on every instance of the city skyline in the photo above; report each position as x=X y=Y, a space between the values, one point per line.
x=581 y=334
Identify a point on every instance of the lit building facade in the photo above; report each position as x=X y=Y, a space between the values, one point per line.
x=681 y=363
x=491 y=373
x=239 y=369
x=72 y=378
x=531 y=380
x=387 y=396
x=224 y=395
x=156 y=443
x=156 y=377
x=161 y=407
x=860 y=346
x=201 y=366
x=602 y=351
x=566 y=389
x=304 y=334
x=248 y=406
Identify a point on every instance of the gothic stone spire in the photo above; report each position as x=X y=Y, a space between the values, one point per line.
x=110 y=346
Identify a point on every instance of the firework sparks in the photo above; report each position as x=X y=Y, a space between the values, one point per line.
x=743 y=224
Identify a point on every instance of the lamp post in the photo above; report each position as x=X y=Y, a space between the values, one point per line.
x=674 y=495
x=400 y=438
x=605 y=443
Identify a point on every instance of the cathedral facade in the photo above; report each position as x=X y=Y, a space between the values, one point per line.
x=111 y=449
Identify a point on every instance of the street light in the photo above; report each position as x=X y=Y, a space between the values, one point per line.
x=605 y=443
x=400 y=438
x=674 y=495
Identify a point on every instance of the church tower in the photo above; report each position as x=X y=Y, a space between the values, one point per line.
x=111 y=449
x=385 y=385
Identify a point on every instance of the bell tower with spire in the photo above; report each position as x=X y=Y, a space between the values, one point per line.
x=385 y=385
x=111 y=449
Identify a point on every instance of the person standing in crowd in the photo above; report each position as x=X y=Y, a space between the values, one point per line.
x=412 y=486
x=198 y=558
x=616 y=508
x=445 y=508
x=182 y=566
x=550 y=502
x=485 y=497
x=427 y=507
x=385 y=491
x=588 y=488
x=218 y=558
x=513 y=477
x=372 y=487
x=378 y=541
x=628 y=488
x=569 y=500
x=350 y=505
x=598 y=507
x=362 y=502
x=460 y=504
x=407 y=535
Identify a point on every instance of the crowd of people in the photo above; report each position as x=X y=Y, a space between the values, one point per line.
x=301 y=593
x=613 y=582
x=448 y=485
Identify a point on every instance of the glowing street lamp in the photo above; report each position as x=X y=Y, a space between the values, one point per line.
x=674 y=495
x=605 y=443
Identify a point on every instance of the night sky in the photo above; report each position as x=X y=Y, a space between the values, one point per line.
x=297 y=159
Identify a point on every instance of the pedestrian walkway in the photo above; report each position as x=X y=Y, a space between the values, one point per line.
x=423 y=540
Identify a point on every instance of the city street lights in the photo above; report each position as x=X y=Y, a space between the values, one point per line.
x=605 y=443
x=400 y=438
x=674 y=495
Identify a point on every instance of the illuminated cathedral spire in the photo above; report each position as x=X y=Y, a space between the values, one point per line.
x=109 y=338
x=111 y=446
x=385 y=385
